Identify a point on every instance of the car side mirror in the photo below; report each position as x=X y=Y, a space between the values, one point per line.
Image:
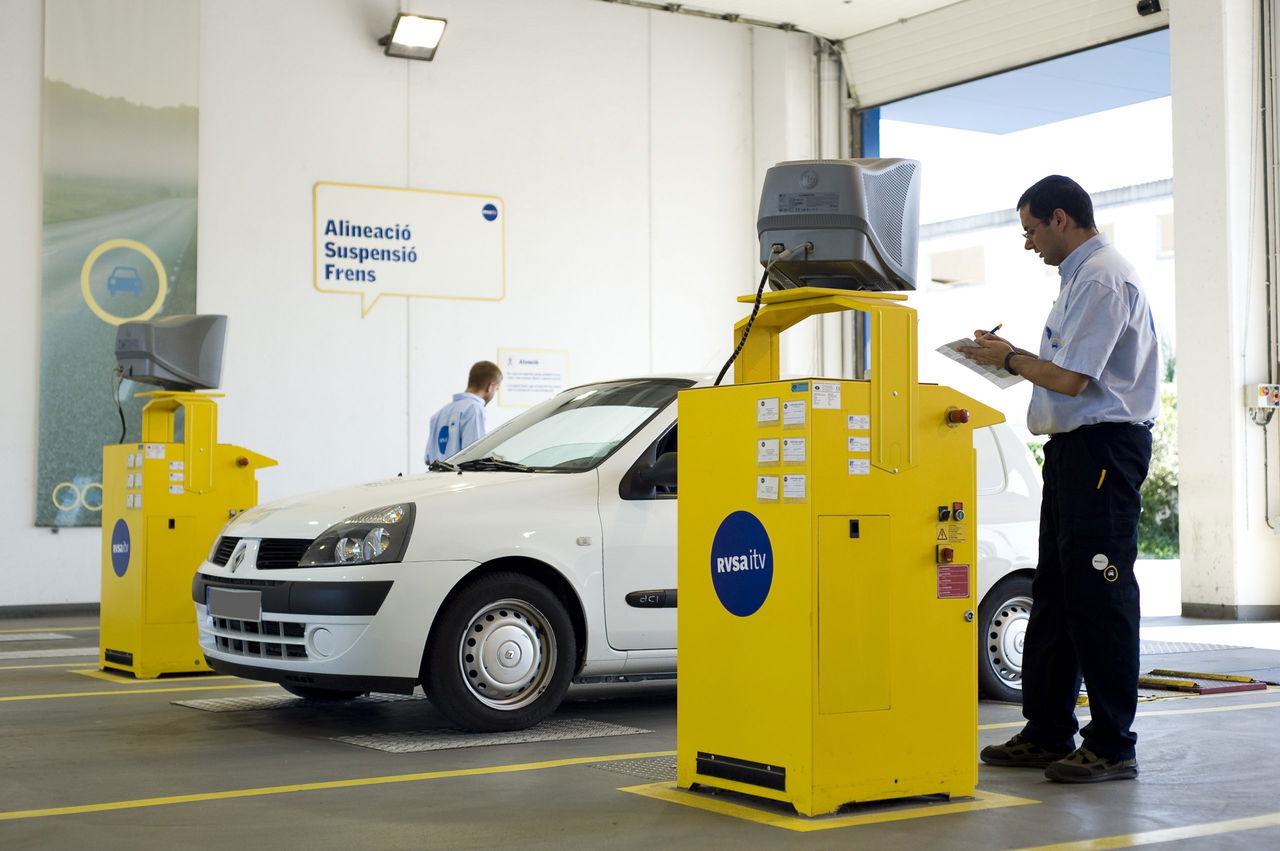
x=660 y=474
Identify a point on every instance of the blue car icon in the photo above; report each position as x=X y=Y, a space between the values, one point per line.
x=124 y=278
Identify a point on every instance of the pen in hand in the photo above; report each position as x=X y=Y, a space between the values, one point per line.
x=997 y=328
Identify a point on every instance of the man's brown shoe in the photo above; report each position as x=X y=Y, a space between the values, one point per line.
x=1085 y=766
x=1021 y=753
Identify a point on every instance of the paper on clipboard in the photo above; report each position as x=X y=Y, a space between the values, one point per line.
x=994 y=374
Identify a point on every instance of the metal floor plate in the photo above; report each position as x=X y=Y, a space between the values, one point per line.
x=34 y=636
x=284 y=701
x=1155 y=648
x=45 y=654
x=557 y=729
x=655 y=769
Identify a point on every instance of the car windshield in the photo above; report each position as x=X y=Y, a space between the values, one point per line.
x=574 y=431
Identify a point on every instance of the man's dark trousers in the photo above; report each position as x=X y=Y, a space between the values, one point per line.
x=1084 y=614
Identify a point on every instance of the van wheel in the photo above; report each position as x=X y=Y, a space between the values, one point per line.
x=501 y=656
x=1002 y=629
x=313 y=693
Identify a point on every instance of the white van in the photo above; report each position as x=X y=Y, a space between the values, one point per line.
x=510 y=570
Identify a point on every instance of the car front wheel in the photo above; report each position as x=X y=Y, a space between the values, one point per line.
x=1002 y=629
x=501 y=655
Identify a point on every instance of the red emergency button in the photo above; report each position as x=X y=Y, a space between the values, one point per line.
x=946 y=555
x=957 y=415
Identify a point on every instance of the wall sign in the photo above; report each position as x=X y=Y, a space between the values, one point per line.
x=373 y=241
x=530 y=376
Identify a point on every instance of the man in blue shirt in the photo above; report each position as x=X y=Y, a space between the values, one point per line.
x=461 y=422
x=1096 y=394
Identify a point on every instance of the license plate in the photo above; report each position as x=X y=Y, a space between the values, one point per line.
x=235 y=604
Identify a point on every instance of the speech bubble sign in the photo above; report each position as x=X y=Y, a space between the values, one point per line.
x=374 y=241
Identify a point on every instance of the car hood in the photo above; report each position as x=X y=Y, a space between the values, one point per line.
x=437 y=496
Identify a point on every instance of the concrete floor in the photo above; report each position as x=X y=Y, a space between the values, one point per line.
x=98 y=764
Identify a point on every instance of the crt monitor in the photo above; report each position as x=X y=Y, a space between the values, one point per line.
x=181 y=352
x=862 y=218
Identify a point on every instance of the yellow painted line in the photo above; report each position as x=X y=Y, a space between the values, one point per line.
x=1169 y=834
x=128 y=691
x=327 y=784
x=50 y=665
x=51 y=629
x=126 y=680
x=670 y=793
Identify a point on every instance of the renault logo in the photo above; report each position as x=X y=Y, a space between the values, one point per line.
x=237 y=557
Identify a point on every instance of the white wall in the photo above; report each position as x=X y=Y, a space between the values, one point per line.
x=624 y=143
x=1229 y=555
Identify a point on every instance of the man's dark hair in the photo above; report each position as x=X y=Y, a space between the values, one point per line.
x=483 y=373
x=1054 y=192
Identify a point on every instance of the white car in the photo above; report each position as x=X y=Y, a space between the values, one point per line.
x=541 y=555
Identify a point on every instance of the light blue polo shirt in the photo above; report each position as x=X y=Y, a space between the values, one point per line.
x=1100 y=326
x=455 y=426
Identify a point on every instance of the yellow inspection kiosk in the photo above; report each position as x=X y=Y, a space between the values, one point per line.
x=164 y=501
x=827 y=558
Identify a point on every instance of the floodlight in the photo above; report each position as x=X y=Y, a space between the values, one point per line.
x=413 y=37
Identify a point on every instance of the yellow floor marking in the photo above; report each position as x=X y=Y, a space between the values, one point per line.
x=50 y=665
x=327 y=784
x=126 y=679
x=1169 y=834
x=127 y=691
x=51 y=629
x=669 y=792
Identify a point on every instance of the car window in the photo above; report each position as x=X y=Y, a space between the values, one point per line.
x=579 y=428
x=990 y=462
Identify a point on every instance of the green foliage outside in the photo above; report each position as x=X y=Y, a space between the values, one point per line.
x=1158 y=525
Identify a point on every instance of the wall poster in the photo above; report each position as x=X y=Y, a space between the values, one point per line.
x=119 y=236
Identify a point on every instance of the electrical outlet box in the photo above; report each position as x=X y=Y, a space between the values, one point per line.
x=1262 y=395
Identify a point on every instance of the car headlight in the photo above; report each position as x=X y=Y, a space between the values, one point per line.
x=370 y=537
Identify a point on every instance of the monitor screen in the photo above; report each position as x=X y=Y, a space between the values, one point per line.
x=182 y=352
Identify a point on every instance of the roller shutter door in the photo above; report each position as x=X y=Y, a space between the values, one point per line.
x=976 y=38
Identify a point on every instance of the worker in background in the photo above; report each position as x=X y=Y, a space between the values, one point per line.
x=1096 y=396
x=461 y=422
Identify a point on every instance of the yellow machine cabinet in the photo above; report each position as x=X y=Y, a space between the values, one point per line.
x=164 y=501
x=827 y=562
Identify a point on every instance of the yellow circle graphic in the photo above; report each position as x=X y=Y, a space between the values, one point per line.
x=74 y=504
x=84 y=496
x=99 y=310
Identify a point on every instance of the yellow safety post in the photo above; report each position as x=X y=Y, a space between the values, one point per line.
x=164 y=501
x=827 y=559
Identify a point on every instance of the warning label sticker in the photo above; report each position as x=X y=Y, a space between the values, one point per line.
x=952 y=533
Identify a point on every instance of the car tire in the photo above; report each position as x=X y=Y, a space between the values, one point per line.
x=313 y=693
x=501 y=654
x=1002 y=628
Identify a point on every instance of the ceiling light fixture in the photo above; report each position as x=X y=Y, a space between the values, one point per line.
x=413 y=37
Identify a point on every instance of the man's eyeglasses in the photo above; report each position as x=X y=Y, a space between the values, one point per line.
x=1031 y=231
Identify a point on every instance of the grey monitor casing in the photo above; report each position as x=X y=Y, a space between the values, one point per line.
x=181 y=352
x=862 y=217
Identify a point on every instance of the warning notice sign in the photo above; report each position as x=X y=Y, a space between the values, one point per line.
x=953 y=581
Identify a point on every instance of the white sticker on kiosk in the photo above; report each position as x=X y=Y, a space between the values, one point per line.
x=177 y=477
x=766 y=487
x=175 y=489
x=859 y=444
x=793 y=449
x=859 y=466
x=859 y=422
x=793 y=412
x=128 y=501
x=154 y=450
x=793 y=487
x=177 y=465
x=826 y=395
x=767 y=410
x=767 y=450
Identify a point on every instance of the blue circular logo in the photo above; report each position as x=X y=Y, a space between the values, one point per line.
x=741 y=563
x=489 y=211
x=120 y=547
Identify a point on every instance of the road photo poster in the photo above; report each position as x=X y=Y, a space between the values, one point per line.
x=119 y=239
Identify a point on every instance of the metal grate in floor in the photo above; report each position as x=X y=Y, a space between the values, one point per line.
x=557 y=729
x=34 y=636
x=45 y=654
x=656 y=769
x=281 y=701
x=1154 y=648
